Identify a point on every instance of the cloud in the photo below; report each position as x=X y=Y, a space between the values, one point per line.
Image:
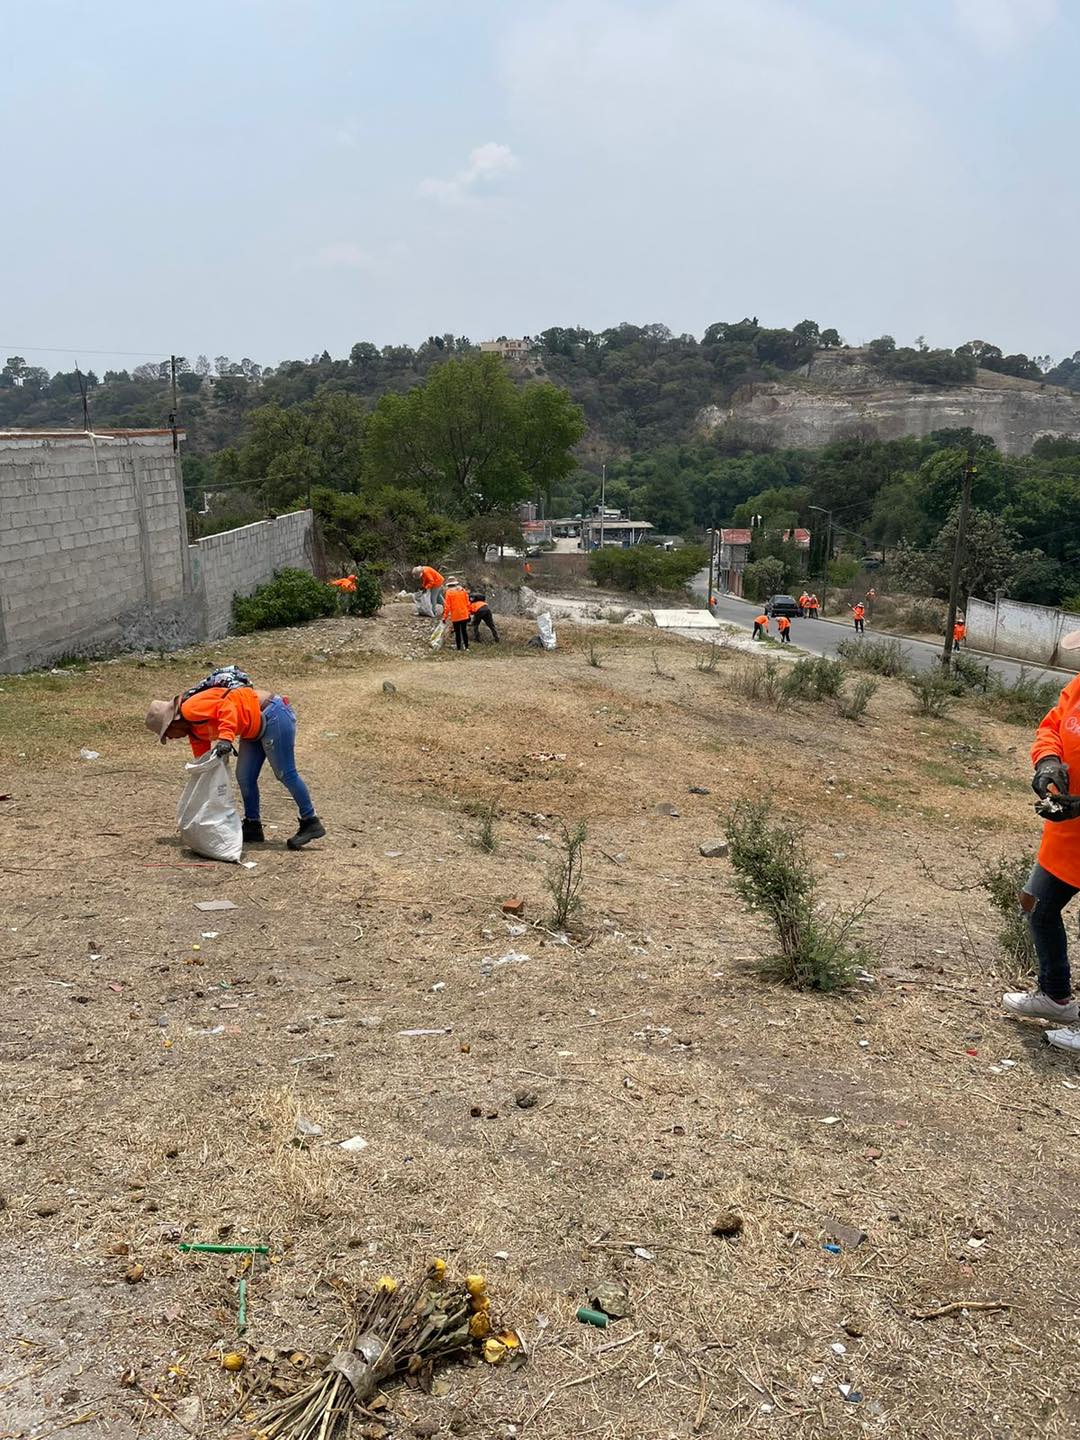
x=999 y=25
x=488 y=164
x=341 y=255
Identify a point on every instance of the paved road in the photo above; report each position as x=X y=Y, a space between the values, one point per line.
x=821 y=637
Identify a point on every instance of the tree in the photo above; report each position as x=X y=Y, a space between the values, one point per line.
x=318 y=443
x=472 y=440
x=667 y=504
x=830 y=339
x=202 y=367
x=15 y=369
x=496 y=528
x=387 y=529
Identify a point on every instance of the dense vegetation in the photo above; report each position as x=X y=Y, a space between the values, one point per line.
x=406 y=452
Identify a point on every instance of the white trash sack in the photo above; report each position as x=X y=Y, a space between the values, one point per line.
x=422 y=600
x=438 y=635
x=206 y=816
x=547 y=631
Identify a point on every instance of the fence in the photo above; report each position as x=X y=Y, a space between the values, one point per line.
x=1023 y=632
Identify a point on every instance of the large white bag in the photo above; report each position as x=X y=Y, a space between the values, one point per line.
x=438 y=635
x=547 y=631
x=423 y=604
x=206 y=816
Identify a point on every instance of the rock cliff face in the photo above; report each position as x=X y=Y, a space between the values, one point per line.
x=843 y=397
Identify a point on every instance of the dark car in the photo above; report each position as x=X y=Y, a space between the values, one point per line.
x=783 y=605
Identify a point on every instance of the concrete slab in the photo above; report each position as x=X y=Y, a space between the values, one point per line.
x=685 y=620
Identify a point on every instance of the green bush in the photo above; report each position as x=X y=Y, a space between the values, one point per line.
x=774 y=875
x=366 y=599
x=290 y=598
x=880 y=657
x=817 y=679
x=851 y=705
x=971 y=674
x=760 y=682
x=643 y=569
x=934 y=692
x=1003 y=880
x=1024 y=702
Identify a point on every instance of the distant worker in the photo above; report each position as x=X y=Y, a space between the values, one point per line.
x=1055 y=878
x=804 y=603
x=431 y=585
x=761 y=627
x=959 y=635
x=858 y=611
x=783 y=624
x=481 y=614
x=813 y=607
x=456 y=611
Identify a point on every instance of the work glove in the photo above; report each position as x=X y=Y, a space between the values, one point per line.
x=1050 y=771
x=1058 y=807
x=223 y=749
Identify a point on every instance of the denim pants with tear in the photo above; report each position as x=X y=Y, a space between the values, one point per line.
x=1042 y=899
x=277 y=744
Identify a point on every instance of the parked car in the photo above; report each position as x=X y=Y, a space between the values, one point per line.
x=783 y=605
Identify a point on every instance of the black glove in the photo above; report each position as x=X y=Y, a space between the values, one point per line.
x=223 y=749
x=1050 y=771
x=1058 y=807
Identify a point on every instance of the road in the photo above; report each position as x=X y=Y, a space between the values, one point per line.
x=821 y=637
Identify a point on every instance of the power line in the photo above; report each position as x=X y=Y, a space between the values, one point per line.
x=76 y=350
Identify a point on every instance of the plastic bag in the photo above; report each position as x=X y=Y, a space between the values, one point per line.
x=206 y=816
x=438 y=635
x=547 y=631
x=423 y=604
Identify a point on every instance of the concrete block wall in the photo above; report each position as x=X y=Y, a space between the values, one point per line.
x=236 y=562
x=1023 y=632
x=91 y=532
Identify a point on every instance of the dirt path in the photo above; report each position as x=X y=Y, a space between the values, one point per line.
x=586 y=1109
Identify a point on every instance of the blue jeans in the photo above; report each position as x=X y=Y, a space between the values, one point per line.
x=1042 y=899
x=276 y=744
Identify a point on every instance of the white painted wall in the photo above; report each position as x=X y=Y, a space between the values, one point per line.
x=1023 y=632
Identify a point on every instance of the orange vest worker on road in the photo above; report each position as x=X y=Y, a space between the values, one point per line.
x=783 y=624
x=959 y=634
x=1055 y=878
x=761 y=626
x=858 y=610
x=804 y=602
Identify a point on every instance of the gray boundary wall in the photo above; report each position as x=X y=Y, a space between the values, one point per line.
x=1023 y=632
x=94 y=556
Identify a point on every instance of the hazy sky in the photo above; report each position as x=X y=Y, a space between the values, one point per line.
x=269 y=178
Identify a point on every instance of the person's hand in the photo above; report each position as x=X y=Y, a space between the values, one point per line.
x=1051 y=770
x=223 y=749
x=1058 y=808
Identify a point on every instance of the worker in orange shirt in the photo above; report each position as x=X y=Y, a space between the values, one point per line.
x=959 y=634
x=456 y=611
x=431 y=586
x=804 y=603
x=858 y=610
x=1055 y=878
x=221 y=716
x=480 y=611
x=783 y=624
x=761 y=627
x=813 y=607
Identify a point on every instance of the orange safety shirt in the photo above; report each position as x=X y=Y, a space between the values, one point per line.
x=347 y=582
x=959 y=631
x=783 y=623
x=430 y=579
x=762 y=620
x=1059 y=734
x=804 y=600
x=221 y=714
x=475 y=605
x=858 y=611
x=456 y=605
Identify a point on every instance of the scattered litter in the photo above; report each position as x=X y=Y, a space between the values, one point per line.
x=217 y=1030
x=248 y=864
x=393 y=854
x=976 y=1243
x=232 y=1360
x=543 y=755
x=817 y=1379
x=832 y=1248
x=356 y=1143
x=830 y=1120
x=214 y=905
x=502 y=1254
x=514 y=931
x=838 y=1348
x=852 y=1396
x=439 y=985
x=89 y=754
x=699 y=790
x=643 y=1254
x=592 y=1317
x=409 y=1034
x=305 y=1130
x=210 y=934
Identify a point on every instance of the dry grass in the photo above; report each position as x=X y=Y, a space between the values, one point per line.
x=651 y=1048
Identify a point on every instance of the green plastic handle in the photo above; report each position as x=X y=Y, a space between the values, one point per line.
x=241 y=1307
x=592 y=1317
x=229 y=1249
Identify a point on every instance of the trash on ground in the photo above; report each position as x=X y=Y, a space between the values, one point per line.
x=592 y=1317
x=513 y=906
x=838 y=1348
x=699 y=790
x=512 y=957
x=850 y=1394
x=305 y=1130
x=354 y=1144
x=85 y=754
x=830 y=1120
x=214 y=905
x=210 y=934
x=832 y=1248
x=543 y=755
x=248 y=864
x=194 y=1247
x=611 y=1297
x=643 y=1254
x=409 y=1034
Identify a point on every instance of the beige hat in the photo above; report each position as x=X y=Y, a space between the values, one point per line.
x=161 y=715
x=1070 y=641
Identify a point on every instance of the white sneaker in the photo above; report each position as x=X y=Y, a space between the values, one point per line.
x=1037 y=1006
x=1064 y=1039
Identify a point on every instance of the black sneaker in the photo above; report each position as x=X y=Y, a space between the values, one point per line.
x=310 y=829
x=253 y=833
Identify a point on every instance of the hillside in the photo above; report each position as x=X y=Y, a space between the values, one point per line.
x=840 y=396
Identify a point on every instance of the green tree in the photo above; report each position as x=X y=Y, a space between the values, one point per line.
x=471 y=439
x=318 y=443
x=387 y=529
x=496 y=528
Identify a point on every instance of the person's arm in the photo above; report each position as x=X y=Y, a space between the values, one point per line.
x=446 y=608
x=1048 y=736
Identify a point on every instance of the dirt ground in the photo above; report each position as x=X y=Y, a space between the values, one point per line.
x=585 y=1110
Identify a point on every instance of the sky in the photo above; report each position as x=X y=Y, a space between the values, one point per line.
x=272 y=178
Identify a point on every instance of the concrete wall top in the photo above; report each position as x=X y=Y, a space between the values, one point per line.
x=28 y=439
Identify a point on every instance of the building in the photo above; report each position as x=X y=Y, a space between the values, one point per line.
x=733 y=554
x=94 y=553
x=508 y=349
x=613 y=526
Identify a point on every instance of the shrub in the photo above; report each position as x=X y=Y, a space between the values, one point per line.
x=1024 y=702
x=1003 y=880
x=969 y=673
x=564 y=877
x=594 y=656
x=817 y=679
x=760 y=682
x=774 y=875
x=852 y=704
x=934 y=692
x=290 y=598
x=642 y=569
x=366 y=599
x=880 y=657
x=706 y=660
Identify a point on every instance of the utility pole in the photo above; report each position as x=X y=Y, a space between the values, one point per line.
x=828 y=554
x=958 y=556
x=603 y=500
x=712 y=557
x=172 y=417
